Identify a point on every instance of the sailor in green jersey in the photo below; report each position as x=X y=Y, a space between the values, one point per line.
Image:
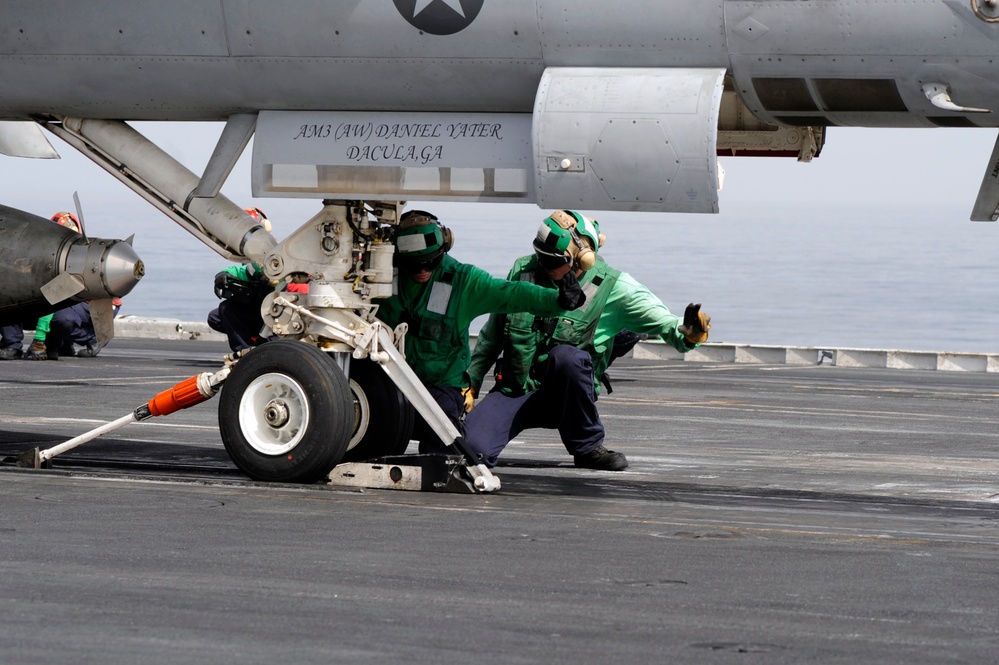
x=38 y=350
x=438 y=297
x=548 y=370
x=242 y=289
x=59 y=333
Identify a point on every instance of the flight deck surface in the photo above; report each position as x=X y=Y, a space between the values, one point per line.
x=771 y=514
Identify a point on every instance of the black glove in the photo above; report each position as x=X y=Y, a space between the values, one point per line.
x=220 y=281
x=696 y=324
x=570 y=295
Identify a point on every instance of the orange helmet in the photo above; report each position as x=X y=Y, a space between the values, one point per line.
x=66 y=219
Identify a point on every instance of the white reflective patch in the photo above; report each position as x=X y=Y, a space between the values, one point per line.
x=440 y=294
x=411 y=243
x=543 y=233
x=590 y=289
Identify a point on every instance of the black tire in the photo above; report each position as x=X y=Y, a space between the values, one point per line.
x=383 y=417
x=285 y=413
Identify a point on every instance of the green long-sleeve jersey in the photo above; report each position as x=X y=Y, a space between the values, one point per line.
x=626 y=304
x=42 y=327
x=246 y=272
x=440 y=312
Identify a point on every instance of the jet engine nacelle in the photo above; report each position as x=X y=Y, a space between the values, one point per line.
x=45 y=267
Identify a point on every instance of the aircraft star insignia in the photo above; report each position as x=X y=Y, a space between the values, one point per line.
x=453 y=4
x=439 y=17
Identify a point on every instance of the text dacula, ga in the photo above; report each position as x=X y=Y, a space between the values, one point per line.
x=395 y=153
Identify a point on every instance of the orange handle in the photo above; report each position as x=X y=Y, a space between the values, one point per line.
x=181 y=396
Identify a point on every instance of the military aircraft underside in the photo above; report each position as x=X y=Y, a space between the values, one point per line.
x=363 y=105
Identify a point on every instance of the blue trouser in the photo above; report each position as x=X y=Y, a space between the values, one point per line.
x=11 y=336
x=71 y=325
x=240 y=322
x=452 y=403
x=566 y=401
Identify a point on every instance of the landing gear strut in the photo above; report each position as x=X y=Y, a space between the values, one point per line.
x=288 y=410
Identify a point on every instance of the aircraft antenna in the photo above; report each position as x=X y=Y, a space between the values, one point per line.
x=79 y=214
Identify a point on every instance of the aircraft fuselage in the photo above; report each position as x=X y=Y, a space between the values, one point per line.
x=801 y=62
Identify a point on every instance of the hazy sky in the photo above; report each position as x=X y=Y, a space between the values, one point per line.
x=863 y=176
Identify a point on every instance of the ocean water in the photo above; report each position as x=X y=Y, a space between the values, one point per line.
x=867 y=246
x=890 y=278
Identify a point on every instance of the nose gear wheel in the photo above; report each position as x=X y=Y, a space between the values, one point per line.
x=286 y=413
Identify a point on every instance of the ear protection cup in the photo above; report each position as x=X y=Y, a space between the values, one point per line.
x=448 y=238
x=586 y=258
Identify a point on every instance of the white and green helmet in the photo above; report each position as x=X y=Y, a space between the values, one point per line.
x=568 y=233
x=421 y=240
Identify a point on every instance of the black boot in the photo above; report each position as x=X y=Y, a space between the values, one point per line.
x=601 y=458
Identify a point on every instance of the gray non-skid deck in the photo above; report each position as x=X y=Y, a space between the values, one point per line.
x=772 y=513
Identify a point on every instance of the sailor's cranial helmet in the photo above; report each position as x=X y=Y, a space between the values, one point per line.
x=421 y=240
x=567 y=236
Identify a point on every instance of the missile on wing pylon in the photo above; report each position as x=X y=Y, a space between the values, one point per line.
x=45 y=267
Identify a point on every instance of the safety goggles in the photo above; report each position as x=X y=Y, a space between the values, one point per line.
x=413 y=267
x=552 y=261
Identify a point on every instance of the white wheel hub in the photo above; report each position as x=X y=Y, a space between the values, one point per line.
x=362 y=414
x=273 y=413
